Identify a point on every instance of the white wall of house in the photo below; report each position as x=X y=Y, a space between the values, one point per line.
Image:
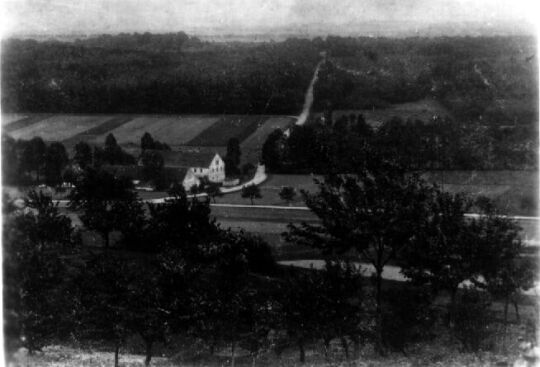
x=215 y=172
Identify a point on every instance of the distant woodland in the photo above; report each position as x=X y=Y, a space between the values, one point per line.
x=169 y=73
x=493 y=79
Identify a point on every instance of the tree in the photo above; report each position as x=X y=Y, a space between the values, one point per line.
x=252 y=192
x=10 y=161
x=112 y=151
x=376 y=212
x=232 y=158
x=446 y=251
x=248 y=169
x=304 y=147
x=98 y=157
x=35 y=246
x=300 y=302
x=213 y=190
x=152 y=165
x=272 y=153
x=107 y=304
x=234 y=306
x=287 y=193
x=147 y=142
x=151 y=307
x=107 y=203
x=341 y=305
x=181 y=224
x=114 y=154
x=506 y=273
x=83 y=154
x=33 y=156
x=56 y=159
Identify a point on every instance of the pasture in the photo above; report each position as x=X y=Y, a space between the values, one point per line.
x=172 y=130
x=8 y=118
x=183 y=132
x=91 y=134
x=16 y=123
x=58 y=127
x=514 y=192
x=230 y=126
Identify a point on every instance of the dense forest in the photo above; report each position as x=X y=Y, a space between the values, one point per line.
x=493 y=79
x=155 y=74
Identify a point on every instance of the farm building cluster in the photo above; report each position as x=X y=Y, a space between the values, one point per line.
x=193 y=167
x=188 y=168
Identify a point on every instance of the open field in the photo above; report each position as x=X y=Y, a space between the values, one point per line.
x=251 y=146
x=91 y=134
x=179 y=131
x=59 y=127
x=514 y=192
x=23 y=122
x=173 y=130
x=8 y=118
x=230 y=126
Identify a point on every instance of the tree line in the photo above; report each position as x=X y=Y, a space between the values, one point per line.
x=168 y=270
x=337 y=145
x=30 y=162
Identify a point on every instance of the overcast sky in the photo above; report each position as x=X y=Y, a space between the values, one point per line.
x=112 y=16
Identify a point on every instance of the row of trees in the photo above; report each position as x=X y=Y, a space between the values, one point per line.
x=33 y=161
x=172 y=270
x=328 y=145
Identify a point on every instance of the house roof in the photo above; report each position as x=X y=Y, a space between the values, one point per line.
x=187 y=159
x=135 y=172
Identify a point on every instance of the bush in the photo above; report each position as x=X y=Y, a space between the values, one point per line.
x=472 y=320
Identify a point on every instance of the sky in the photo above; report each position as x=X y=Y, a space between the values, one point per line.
x=113 y=16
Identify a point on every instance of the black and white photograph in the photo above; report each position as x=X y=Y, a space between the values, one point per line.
x=259 y=183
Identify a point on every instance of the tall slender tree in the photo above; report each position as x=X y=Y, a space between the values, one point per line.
x=33 y=156
x=232 y=158
x=83 y=154
x=56 y=159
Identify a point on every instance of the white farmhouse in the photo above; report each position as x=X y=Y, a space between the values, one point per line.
x=196 y=165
